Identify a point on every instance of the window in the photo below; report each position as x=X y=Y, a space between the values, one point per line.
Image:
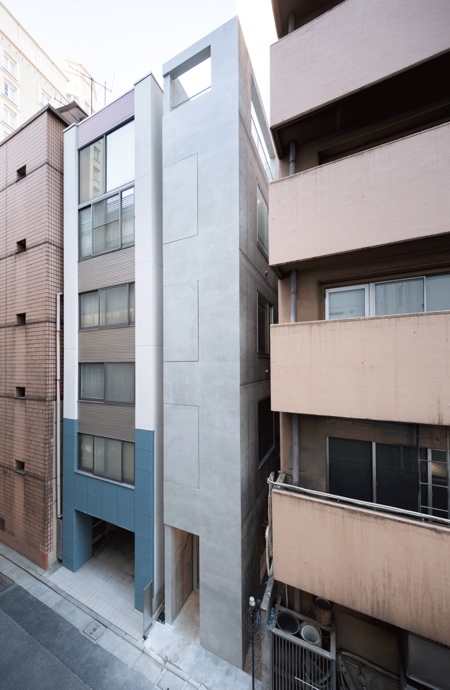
x=389 y=475
x=266 y=430
x=9 y=117
x=111 y=382
x=263 y=325
x=107 y=225
x=10 y=65
x=262 y=223
x=107 y=307
x=9 y=91
x=434 y=468
x=117 y=151
x=21 y=172
x=106 y=457
x=407 y=296
x=44 y=98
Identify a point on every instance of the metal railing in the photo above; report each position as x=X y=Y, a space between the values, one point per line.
x=378 y=507
x=298 y=665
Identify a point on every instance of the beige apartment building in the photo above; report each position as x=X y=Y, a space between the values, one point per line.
x=31 y=277
x=359 y=235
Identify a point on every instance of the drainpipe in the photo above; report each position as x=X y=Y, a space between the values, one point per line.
x=58 y=405
x=291 y=23
x=295 y=454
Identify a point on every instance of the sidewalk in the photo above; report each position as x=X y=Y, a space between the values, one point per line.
x=167 y=659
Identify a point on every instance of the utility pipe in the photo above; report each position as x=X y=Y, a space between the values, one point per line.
x=58 y=405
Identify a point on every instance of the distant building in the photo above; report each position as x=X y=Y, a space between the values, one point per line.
x=81 y=86
x=31 y=266
x=30 y=80
x=359 y=235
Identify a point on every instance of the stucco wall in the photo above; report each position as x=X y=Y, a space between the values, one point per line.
x=352 y=46
x=364 y=560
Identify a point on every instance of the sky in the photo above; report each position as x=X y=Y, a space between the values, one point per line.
x=119 y=42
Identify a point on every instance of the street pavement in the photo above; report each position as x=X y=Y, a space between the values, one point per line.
x=50 y=640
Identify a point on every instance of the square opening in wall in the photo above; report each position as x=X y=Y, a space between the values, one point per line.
x=21 y=319
x=20 y=391
x=21 y=172
x=21 y=246
x=19 y=467
x=192 y=78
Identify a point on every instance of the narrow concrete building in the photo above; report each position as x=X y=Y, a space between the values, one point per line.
x=31 y=279
x=113 y=335
x=220 y=296
x=359 y=235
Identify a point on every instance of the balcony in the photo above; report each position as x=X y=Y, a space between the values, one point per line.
x=384 y=565
x=389 y=368
x=392 y=193
x=353 y=45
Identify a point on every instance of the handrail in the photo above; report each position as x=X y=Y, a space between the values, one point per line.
x=423 y=517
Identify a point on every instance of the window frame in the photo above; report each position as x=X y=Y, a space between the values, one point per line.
x=100 y=327
x=104 y=192
x=11 y=115
x=420 y=507
x=370 y=296
x=7 y=88
x=261 y=299
x=260 y=242
x=99 y=200
x=10 y=65
x=104 y=477
x=104 y=400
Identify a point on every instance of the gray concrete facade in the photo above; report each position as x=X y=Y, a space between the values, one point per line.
x=214 y=378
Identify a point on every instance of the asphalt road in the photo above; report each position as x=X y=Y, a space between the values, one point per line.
x=40 y=650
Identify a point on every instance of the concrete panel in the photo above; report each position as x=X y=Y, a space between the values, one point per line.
x=380 y=368
x=181 y=450
x=180 y=219
x=181 y=322
x=354 y=45
x=313 y=539
x=392 y=193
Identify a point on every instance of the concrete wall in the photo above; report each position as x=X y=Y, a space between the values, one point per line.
x=386 y=567
x=31 y=210
x=212 y=376
x=354 y=45
x=392 y=193
x=380 y=368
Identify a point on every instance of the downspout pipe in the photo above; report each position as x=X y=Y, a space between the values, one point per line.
x=58 y=405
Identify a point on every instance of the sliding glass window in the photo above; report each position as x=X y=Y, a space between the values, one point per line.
x=108 y=307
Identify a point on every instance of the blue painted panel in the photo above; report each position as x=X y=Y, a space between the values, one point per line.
x=68 y=498
x=144 y=481
x=144 y=440
x=68 y=480
x=81 y=483
x=80 y=501
x=70 y=444
x=70 y=426
x=125 y=497
x=109 y=512
x=95 y=506
x=144 y=502
x=143 y=524
x=125 y=518
x=109 y=492
x=95 y=488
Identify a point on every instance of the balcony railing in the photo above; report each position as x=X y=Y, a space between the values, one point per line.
x=423 y=517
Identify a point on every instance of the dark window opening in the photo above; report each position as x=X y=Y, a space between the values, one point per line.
x=21 y=319
x=19 y=467
x=21 y=246
x=20 y=391
x=21 y=172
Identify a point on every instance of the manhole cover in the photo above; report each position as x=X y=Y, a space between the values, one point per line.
x=94 y=630
x=5 y=582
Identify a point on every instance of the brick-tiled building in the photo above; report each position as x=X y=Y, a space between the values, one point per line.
x=31 y=198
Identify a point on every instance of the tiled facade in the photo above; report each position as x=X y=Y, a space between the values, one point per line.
x=31 y=196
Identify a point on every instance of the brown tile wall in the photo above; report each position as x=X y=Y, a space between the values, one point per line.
x=30 y=209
